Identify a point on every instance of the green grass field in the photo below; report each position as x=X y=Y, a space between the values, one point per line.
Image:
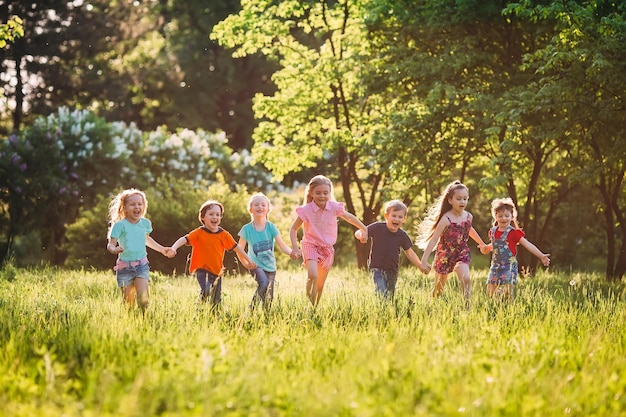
x=70 y=348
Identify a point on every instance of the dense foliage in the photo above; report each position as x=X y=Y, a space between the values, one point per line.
x=392 y=99
x=74 y=160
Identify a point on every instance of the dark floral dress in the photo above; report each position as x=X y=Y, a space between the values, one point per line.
x=452 y=247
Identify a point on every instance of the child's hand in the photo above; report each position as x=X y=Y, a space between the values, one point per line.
x=169 y=252
x=485 y=249
x=295 y=253
x=425 y=268
x=116 y=250
x=545 y=259
x=361 y=235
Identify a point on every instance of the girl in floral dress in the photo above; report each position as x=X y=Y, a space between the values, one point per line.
x=448 y=225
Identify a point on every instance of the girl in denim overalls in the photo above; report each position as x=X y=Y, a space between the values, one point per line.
x=505 y=236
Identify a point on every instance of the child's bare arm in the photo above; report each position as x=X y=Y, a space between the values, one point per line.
x=284 y=248
x=293 y=236
x=153 y=244
x=244 y=258
x=543 y=257
x=354 y=221
x=413 y=258
x=113 y=247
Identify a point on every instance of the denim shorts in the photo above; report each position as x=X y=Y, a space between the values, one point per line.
x=125 y=276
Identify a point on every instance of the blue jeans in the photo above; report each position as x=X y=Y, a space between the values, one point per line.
x=385 y=281
x=265 y=289
x=210 y=286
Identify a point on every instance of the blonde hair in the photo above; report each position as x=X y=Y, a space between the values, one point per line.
x=395 y=205
x=427 y=227
x=501 y=204
x=259 y=196
x=316 y=181
x=206 y=206
x=116 y=207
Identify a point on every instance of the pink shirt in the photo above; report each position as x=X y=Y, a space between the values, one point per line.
x=320 y=225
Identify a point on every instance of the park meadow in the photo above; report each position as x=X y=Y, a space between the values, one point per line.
x=71 y=348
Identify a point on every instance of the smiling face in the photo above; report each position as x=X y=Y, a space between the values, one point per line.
x=504 y=217
x=259 y=207
x=134 y=207
x=395 y=219
x=320 y=195
x=459 y=200
x=212 y=217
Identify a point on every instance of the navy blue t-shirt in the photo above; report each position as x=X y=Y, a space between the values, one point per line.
x=386 y=245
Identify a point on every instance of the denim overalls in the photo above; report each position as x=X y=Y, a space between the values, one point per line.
x=503 y=268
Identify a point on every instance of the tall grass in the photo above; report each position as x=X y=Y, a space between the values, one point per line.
x=71 y=348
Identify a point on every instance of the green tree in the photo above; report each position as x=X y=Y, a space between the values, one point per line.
x=581 y=75
x=321 y=117
x=10 y=31
x=55 y=62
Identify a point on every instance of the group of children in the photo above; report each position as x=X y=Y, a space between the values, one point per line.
x=446 y=229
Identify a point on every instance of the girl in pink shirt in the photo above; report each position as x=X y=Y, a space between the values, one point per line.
x=318 y=217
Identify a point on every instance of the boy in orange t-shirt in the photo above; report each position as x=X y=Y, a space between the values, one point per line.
x=209 y=243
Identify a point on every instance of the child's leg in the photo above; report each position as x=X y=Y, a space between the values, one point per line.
x=510 y=291
x=214 y=287
x=262 y=283
x=321 y=279
x=491 y=289
x=311 y=283
x=141 y=286
x=269 y=294
x=462 y=271
x=440 y=283
x=128 y=293
x=391 y=278
x=380 y=285
x=201 y=277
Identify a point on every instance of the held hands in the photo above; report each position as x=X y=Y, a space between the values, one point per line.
x=425 y=268
x=295 y=253
x=250 y=264
x=169 y=252
x=361 y=235
x=485 y=249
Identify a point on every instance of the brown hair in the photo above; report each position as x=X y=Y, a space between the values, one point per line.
x=206 y=206
x=501 y=204
x=435 y=212
x=396 y=205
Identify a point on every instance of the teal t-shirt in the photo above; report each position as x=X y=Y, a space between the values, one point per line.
x=132 y=237
x=261 y=245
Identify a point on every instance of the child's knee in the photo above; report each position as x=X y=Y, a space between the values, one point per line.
x=142 y=300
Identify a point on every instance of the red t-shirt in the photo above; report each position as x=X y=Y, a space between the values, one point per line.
x=512 y=239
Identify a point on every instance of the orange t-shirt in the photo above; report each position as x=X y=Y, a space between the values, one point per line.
x=208 y=249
